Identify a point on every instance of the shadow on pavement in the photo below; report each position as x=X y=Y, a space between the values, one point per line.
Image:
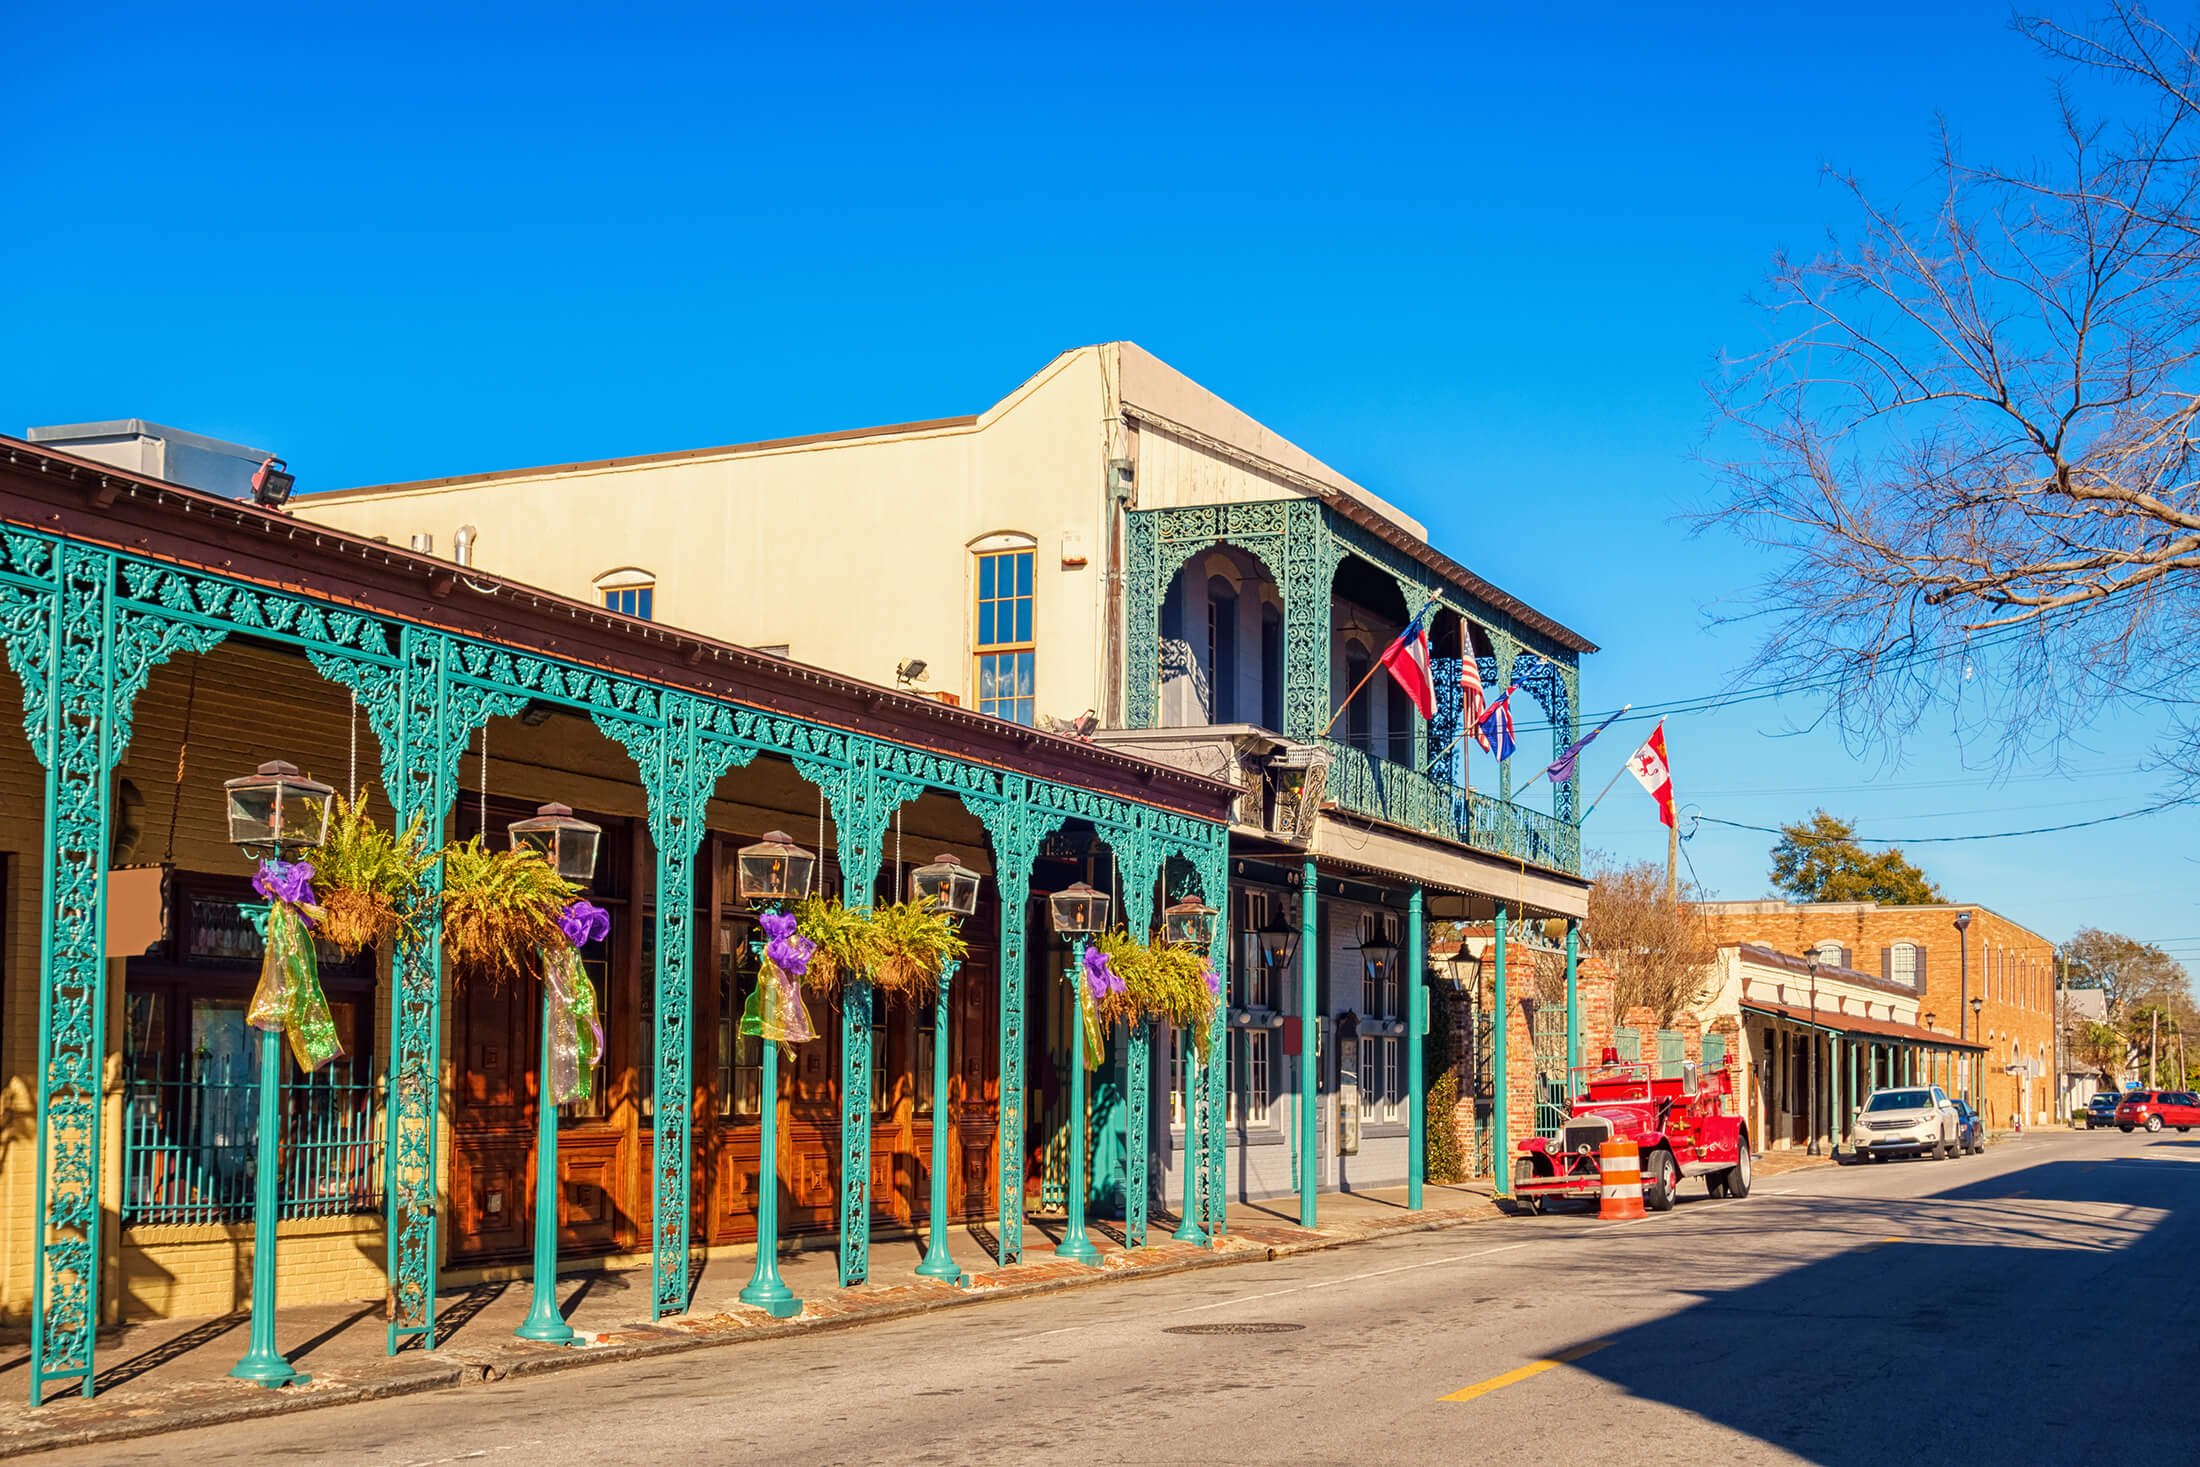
x=1968 y=1325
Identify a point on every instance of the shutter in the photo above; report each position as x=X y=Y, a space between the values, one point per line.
x=1848 y=959
x=1671 y=1053
x=1886 y=965
x=1629 y=1044
x=1714 y=1052
x=1921 y=968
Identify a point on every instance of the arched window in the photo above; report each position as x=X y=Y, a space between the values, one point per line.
x=1830 y=953
x=630 y=591
x=1003 y=643
x=1397 y=722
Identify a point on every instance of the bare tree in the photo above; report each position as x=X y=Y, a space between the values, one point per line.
x=1658 y=947
x=1972 y=437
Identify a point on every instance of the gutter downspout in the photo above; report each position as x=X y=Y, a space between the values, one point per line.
x=462 y=545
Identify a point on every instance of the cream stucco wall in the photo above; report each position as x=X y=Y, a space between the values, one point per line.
x=854 y=551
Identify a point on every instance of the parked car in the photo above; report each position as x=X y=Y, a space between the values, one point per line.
x=1970 y=1128
x=2153 y=1110
x=2100 y=1111
x=1916 y=1120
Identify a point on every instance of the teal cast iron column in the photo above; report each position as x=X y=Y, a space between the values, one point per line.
x=262 y=1363
x=938 y=1264
x=1416 y=1031
x=1188 y=1230
x=1856 y=1094
x=1573 y=1001
x=544 y=1323
x=1075 y=1246
x=766 y=1290
x=1309 y=1027
x=1500 y=1112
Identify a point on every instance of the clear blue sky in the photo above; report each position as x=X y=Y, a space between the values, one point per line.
x=1481 y=265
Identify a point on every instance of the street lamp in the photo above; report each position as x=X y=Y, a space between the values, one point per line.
x=1964 y=1000
x=766 y=875
x=1464 y=967
x=274 y=814
x=1277 y=941
x=569 y=845
x=1079 y=911
x=952 y=888
x=1190 y=923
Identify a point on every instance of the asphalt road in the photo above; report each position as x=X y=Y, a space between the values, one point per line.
x=2033 y=1305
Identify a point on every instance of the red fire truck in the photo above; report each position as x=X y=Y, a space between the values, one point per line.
x=1681 y=1124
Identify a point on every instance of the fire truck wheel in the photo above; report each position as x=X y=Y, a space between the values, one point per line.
x=1661 y=1179
x=1734 y=1181
x=1528 y=1202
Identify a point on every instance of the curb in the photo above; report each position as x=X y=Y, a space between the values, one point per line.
x=457 y=1369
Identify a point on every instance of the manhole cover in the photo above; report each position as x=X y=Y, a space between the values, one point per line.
x=1260 y=1327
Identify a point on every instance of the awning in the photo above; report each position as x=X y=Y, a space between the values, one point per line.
x=1860 y=1028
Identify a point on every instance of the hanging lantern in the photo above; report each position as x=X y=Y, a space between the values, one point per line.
x=1464 y=967
x=947 y=884
x=1278 y=941
x=775 y=869
x=1080 y=911
x=567 y=843
x=1379 y=958
x=1189 y=923
x=276 y=811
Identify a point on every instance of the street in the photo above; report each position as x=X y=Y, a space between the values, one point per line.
x=2027 y=1305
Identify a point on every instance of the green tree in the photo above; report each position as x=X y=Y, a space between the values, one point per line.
x=2127 y=970
x=1820 y=860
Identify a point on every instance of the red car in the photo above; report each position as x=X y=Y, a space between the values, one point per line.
x=2154 y=1109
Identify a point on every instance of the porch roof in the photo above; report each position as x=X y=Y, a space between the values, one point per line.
x=98 y=504
x=1860 y=1028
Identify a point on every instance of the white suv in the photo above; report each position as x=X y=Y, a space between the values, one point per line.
x=1915 y=1120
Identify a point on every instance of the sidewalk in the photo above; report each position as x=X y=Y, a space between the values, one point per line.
x=168 y=1375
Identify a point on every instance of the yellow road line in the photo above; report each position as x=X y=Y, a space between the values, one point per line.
x=1527 y=1372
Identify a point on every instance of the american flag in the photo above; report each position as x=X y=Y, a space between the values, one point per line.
x=1470 y=689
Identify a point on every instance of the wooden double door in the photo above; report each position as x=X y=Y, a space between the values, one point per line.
x=605 y=1141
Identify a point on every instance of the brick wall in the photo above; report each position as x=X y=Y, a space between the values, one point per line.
x=2011 y=969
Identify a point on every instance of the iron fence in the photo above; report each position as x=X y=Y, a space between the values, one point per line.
x=191 y=1152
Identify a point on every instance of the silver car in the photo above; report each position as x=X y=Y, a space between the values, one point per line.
x=1915 y=1120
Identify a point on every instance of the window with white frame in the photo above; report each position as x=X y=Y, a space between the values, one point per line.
x=1828 y=952
x=1259 y=1087
x=1002 y=639
x=629 y=591
x=1902 y=964
x=1259 y=979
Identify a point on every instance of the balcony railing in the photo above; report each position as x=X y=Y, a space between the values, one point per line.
x=1361 y=782
x=191 y=1148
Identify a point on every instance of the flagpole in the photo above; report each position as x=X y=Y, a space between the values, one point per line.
x=1470 y=728
x=1602 y=793
x=1600 y=728
x=1373 y=667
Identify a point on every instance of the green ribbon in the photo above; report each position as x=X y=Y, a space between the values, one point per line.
x=289 y=995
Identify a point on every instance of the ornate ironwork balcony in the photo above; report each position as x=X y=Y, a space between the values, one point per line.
x=1361 y=782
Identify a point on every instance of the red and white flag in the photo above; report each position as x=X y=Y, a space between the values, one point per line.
x=1471 y=696
x=1407 y=661
x=1650 y=769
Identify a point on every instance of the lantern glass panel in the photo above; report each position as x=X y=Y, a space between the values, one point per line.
x=1080 y=910
x=775 y=869
x=568 y=843
x=1189 y=923
x=1279 y=942
x=276 y=810
x=947 y=884
x=1379 y=958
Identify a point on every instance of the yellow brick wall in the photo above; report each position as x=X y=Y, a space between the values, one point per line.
x=22 y=833
x=2011 y=969
x=182 y=1272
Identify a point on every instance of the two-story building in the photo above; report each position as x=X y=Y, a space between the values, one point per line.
x=1115 y=550
x=1979 y=976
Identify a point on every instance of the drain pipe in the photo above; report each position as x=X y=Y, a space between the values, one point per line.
x=462 y=545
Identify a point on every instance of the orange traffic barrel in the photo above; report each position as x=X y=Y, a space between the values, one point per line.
x=1621 y=1164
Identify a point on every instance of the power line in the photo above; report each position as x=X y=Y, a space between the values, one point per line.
x=1919 y=840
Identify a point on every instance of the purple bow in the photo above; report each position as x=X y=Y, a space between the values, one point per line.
x=583 y=922
x=1100 y=974
x=789 y=951
x=1214 y=980
x=285 y=881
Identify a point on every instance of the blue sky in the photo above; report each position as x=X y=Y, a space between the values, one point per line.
x=1482 y=265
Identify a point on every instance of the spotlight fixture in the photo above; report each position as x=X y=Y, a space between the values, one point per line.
x=271 y=484
x=909 y=670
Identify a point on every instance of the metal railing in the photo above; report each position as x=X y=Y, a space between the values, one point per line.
x=1362 y=782
x=191 y=1149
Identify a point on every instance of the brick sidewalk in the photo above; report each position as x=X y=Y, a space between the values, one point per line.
x=170 y=1375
